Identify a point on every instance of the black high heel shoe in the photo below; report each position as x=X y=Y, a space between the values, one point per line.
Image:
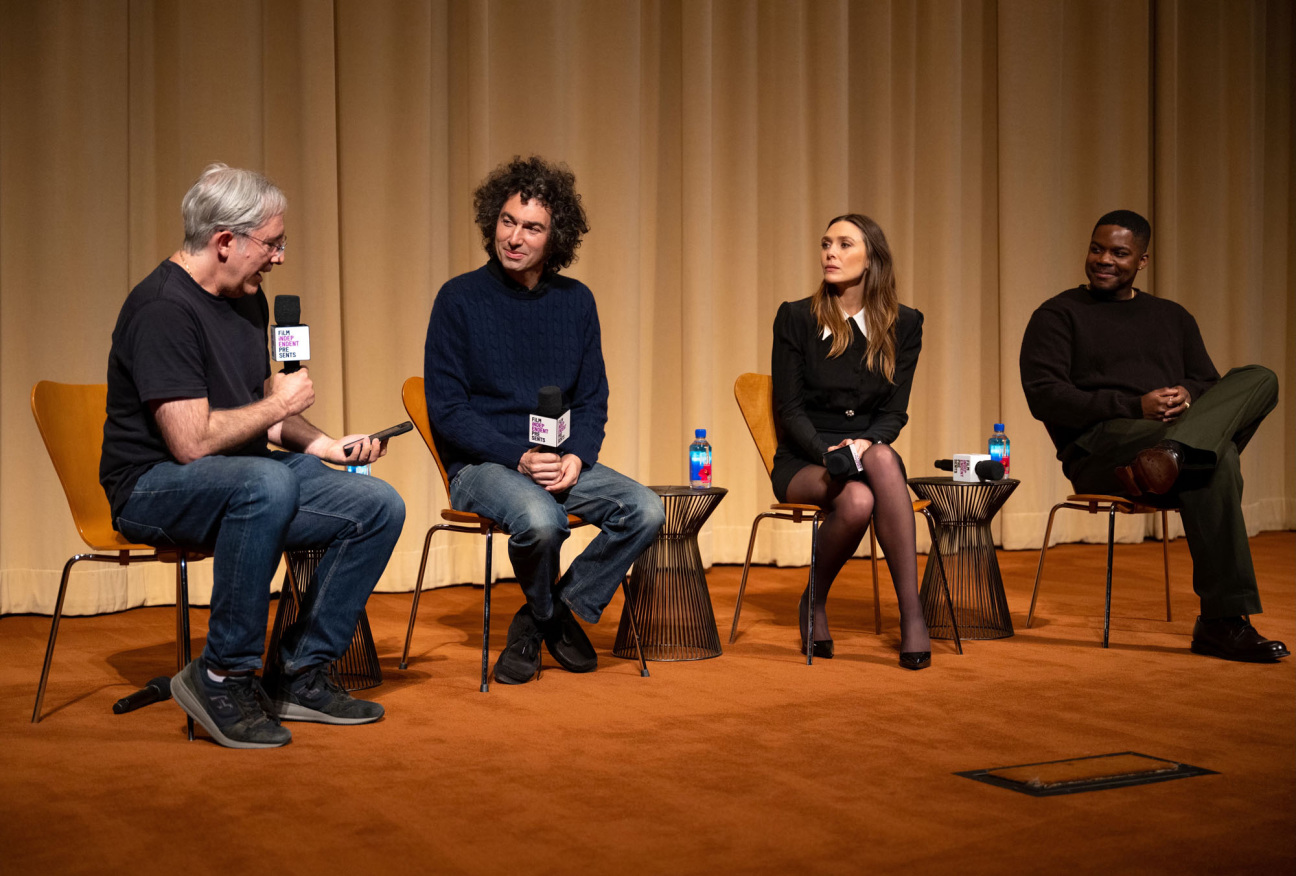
x=822 y=647
x=915 y=659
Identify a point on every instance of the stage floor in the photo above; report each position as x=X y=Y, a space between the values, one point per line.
x=748 y=763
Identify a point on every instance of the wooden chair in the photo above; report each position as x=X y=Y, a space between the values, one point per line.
x=70 y=418
x=412 y=393
x=755 y=396
x=1096 y=503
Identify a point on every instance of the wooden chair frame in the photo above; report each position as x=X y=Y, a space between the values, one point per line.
x=70 y=418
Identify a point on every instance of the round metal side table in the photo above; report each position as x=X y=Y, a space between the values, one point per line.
x=963 y=512
x=667 y=590
x=358 y=668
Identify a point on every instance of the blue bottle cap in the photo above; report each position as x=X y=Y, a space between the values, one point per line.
x=998 y=427
x=699 y=433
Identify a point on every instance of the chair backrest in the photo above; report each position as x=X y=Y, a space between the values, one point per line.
x=755 y=396
x=70 y=418
x=415 y=399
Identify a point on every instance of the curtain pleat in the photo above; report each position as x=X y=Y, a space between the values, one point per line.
x=712 y=140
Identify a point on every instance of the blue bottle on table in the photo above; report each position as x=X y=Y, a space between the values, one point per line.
x=700 y=461
x=1001 y=447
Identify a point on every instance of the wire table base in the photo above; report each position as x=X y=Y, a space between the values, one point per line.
x=667 y=591
x=358 y=668
x=963 y=512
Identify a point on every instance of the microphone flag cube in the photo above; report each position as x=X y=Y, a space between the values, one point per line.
x=965 y=467
x=550 y=431
x=291 y=343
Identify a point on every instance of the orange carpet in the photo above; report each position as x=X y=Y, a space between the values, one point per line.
x=749 y=763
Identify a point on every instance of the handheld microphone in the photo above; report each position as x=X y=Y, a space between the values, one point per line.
x=842 y=463
x=291 y=339
x=551 y=421
x=972 y=467
x=155 y=691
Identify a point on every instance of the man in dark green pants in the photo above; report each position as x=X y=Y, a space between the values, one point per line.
x=1124 y=385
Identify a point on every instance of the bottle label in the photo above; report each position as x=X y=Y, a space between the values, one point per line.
x=699 y=467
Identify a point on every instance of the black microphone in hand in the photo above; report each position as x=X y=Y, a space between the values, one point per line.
x=291 y=339
x=155 y=691
x=842 y=463
x=551 y=420
x=986 y=469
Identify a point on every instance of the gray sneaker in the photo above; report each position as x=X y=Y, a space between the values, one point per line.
x=232 y=711
x=314 y=696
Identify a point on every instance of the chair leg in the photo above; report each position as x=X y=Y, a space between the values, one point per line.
x=1165 y=556
x=634 y=628
x=182 y=624
x=940 y=570
x=486 y=600
x=877 y=598
x=418 y=591
x=54 y=625
x=742 y=585
x=810 y=588
x=1039 y=570
x=1111 y=543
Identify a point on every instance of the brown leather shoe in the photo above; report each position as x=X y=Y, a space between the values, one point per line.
x=1154 y=470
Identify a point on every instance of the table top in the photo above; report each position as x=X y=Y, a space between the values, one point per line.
x=688 y=491
x=687 y=509
x=962 y=501
x=948 y=480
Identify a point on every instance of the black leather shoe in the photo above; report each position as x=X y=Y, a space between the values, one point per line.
x=520 y=660
x=1154 y=470
x=915 y=660
x=567 y=642
x=1233 y=638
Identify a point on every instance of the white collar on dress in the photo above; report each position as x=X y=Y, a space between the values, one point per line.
x=859 y=321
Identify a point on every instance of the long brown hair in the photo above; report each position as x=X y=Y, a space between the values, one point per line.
x=881 y=306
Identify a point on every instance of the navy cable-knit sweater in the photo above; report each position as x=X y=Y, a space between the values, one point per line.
x=491 y=345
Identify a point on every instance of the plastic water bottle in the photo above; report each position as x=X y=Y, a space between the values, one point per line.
x=699 y=461
x=358 y=469
x=1001 y=447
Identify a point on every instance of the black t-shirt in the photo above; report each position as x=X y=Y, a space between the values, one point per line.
x=173 y=339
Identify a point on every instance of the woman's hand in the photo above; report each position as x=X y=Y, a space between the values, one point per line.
x=861 y=444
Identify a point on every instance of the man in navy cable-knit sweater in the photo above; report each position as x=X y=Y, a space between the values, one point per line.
x=497 y=335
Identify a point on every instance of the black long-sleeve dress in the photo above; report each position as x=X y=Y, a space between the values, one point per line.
x=821 y=401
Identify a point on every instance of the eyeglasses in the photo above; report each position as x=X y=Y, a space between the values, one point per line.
x=278 y=247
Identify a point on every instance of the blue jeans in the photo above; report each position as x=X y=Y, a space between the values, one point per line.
x=247 y=510
x=628 y=513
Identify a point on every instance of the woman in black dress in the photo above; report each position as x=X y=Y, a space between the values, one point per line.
x=843 y=366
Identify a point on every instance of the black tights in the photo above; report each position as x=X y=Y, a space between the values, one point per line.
x=881 y=495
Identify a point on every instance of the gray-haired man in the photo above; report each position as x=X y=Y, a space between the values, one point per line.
x=191 y=406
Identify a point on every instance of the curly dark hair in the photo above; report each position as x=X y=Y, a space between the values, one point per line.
x=533 y=178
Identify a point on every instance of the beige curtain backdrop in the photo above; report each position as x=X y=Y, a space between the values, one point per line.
x=711 y=141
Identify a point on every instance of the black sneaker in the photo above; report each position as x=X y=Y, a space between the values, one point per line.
x=232 y=711
x=567 y=642
x=313 y=695
x=520 y=660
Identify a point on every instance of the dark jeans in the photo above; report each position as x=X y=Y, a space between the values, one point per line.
x=628 y=513
x=248 y=510
x=1213 y=430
